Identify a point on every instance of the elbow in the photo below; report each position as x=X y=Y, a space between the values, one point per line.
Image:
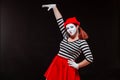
x=90 y=60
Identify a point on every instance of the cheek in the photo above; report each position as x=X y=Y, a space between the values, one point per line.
x=68 y=31
x=74 y=29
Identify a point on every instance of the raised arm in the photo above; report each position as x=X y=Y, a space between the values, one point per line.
x=58 y=17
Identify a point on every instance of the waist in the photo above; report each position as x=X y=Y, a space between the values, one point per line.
x=64 y=57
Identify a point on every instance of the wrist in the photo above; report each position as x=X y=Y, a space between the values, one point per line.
x=78 y=66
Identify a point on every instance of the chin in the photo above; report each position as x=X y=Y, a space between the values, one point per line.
x=72 y=35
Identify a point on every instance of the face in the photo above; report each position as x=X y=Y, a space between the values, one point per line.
x=71 y=29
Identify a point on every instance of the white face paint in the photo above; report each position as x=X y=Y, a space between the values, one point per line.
x=71 y=29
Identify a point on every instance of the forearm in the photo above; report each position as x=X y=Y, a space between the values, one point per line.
x=83 y=63
x=57 y=13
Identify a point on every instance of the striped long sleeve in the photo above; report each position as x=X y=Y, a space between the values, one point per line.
x=86 y=50
x=60 y=22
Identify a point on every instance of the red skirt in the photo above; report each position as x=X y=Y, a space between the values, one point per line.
x=60 y=70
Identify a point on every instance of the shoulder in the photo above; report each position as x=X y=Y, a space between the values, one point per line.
x=83 y=42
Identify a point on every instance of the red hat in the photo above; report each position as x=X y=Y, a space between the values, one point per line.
x=71 y=20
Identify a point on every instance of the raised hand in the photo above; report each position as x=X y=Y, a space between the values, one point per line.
x=49 y=6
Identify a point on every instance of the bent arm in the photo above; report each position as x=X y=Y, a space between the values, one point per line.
x=86 y=51
x=83 y=63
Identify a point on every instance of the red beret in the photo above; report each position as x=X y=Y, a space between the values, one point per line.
x=71 y=20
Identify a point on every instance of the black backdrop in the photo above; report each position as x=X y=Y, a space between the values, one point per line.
x=30 y=37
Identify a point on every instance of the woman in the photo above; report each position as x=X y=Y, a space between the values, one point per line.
x=63 y=66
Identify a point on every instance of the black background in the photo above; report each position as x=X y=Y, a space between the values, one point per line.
x=30 y=37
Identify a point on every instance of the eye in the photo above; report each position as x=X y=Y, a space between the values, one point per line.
x=71 y=26
x=67 y=27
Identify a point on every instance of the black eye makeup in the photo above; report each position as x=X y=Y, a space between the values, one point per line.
x=67 y=27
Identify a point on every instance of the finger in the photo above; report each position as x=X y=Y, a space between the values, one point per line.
x=71 y=60
x=45 y=6
x=70 y=65
x=49 y=8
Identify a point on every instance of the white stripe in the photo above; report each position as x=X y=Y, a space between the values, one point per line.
x=85 y=48
x=89 y=60
x=64 y=34
x=83 y=42
x=86 y=51
x=60 y=22
x=60 y=26
x=89 y=56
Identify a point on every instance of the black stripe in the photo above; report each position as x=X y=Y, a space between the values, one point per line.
x=84 y=46
x=85 y=50
x=66 y=56
x=59 y=19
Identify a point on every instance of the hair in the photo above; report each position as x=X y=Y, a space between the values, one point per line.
x=82 y=34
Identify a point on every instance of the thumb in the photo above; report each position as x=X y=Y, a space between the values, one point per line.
x=49 y=8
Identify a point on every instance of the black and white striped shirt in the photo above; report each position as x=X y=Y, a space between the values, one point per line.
x=72 y=50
